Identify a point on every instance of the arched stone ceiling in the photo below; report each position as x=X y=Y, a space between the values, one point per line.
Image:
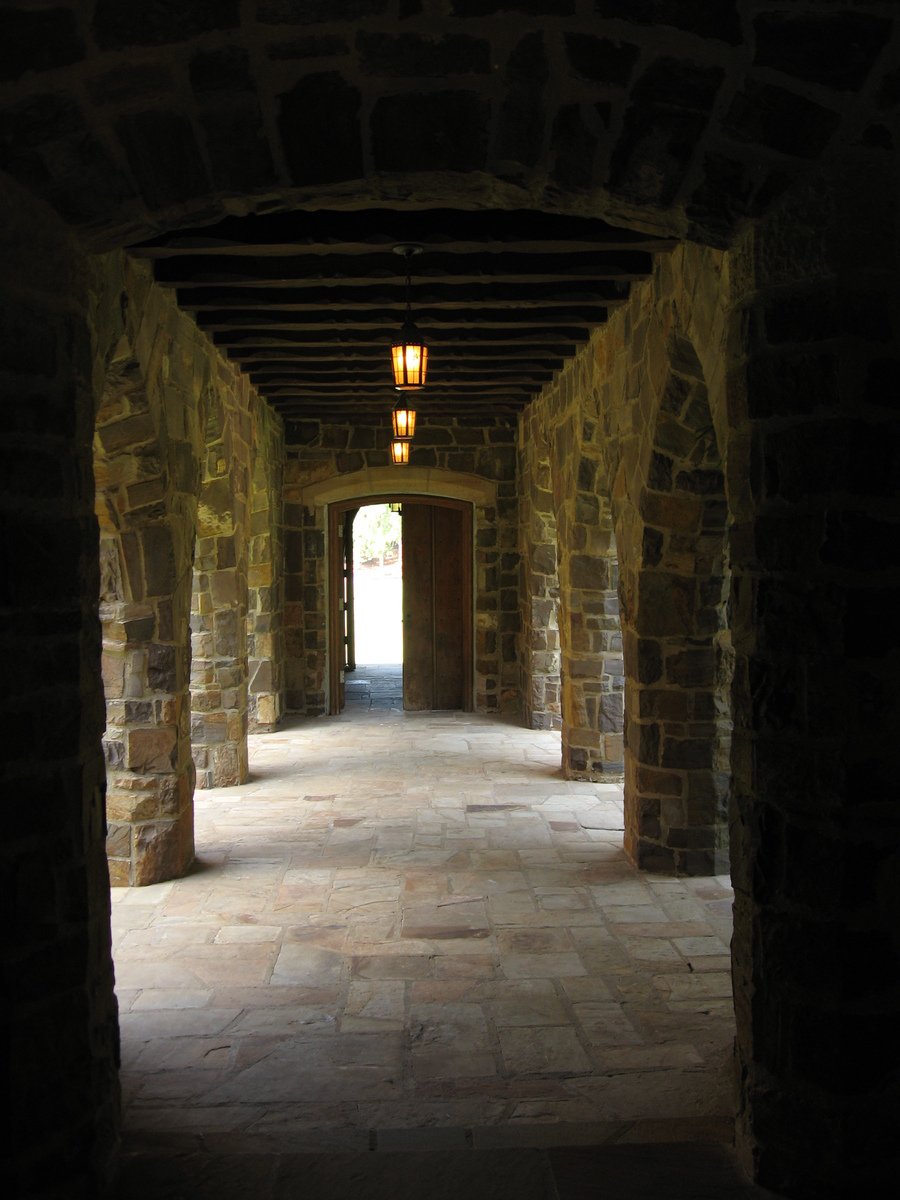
x=266 y=155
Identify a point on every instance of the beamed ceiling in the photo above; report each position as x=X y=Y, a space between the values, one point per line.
x=306 y=303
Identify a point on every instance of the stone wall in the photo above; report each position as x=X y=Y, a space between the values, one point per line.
x=640 y=516
x=179 y=434
x=318 y=451
x=265 y=576
x=60 y=1024
x=538 y=644
x=816 y=563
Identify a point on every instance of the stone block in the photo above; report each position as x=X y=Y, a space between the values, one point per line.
x=151 y=749
x=411 y=55
x=430 y=131
x=228 y=631
x=658 y=783
x=266 y=711
x=611 y=713
x=664 y=704
x=600 y=59
x=834 y=49
x=780 y=120
x=174 y=177
x=223 y=588
x=687 y=753
x=162 y=668
x=647 y=657
x=162 y=850
x=112 y=669
x=589 y=572
x=127 y=434
x=160 y=566
x=118 y=841
x=119 y=872
x=681 y=514
x=694 y=668
x=319 y=123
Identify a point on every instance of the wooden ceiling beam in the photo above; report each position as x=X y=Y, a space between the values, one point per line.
x=426 y=320
x=602 y=293
x=568 y=338
x=327 y=232
x=199 y=271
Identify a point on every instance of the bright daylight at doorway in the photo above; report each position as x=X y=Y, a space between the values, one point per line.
x=373 y=676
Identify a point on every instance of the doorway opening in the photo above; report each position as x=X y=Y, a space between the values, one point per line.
x=373 y=609
x=433 y=584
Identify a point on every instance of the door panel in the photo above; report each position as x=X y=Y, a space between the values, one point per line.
x=436 y=607
x=448 y=608
x=418 y=604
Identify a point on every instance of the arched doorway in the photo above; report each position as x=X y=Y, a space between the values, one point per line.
x=438 y=606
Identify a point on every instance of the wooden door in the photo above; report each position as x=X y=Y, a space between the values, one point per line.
x=437 y=616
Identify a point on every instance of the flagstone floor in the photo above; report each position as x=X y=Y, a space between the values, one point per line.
x=408 y=931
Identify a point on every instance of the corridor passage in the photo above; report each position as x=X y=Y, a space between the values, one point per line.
x=408 y=931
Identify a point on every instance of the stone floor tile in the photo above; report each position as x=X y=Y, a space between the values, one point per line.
x=537 y=966
x=700 y=947
x=246 y=934
x=524 y=1009
x=374 y=915
x=548 y=1050
x=307 y=966
x=605 y=1024
x=390 y=966
x=381 y=999
x=533 y=941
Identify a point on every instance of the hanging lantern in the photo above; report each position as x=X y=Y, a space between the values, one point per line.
x=399 y=452
x=404 y=422
x=409 y=354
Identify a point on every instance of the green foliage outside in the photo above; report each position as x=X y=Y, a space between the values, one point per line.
x=376 y=534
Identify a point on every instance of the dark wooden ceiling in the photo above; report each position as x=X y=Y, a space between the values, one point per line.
x=307 y=302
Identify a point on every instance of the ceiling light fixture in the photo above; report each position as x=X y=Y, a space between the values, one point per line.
x=404 y=422
x=400 y=452
x=409 y=354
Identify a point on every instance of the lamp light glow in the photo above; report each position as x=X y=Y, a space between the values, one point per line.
x=404 y=422
x=399 y=453
x=409 y=354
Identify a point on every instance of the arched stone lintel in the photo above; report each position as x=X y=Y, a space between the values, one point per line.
x=416 y=481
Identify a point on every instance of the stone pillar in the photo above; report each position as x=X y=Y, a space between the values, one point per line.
x=219 y=602
x=677 y=644
x=539 y=654
x=816 y=558
x=145 y=466
x=60 y=1039
x=265 y=578
x=590 y=635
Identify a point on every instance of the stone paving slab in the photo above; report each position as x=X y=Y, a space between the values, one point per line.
x=412 y=921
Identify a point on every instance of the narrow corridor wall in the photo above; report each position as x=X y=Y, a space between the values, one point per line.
x=180 y=434
x=633 y=425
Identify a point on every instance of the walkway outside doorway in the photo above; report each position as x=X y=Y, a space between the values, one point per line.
x=411 y=922
x=374 y=686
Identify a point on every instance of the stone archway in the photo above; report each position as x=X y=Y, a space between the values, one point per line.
x=678 y=648
x=324 y=498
